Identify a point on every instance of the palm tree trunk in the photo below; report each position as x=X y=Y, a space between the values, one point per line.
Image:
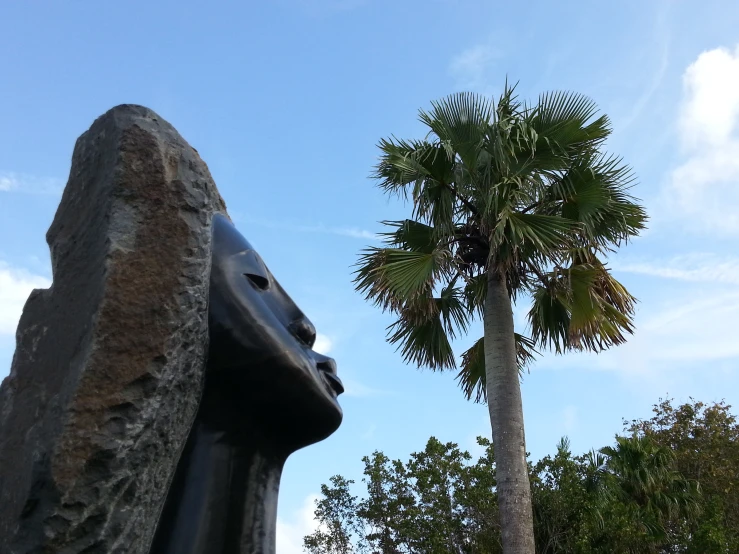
x=506 y=419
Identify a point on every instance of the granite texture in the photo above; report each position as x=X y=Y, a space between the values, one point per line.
x=108 y=368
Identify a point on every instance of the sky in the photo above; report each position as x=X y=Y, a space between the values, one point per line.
x=286 y=100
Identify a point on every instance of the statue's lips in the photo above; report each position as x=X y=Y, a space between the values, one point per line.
x=333 y=382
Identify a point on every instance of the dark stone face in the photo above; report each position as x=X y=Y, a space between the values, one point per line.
x=261 y=365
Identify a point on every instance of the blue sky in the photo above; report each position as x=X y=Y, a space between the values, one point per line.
x=286 y=99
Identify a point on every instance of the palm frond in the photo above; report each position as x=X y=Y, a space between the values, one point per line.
x=422 y=338
x=399 y=165
x=475 y=292
x=544 y=233
x=410 y=235
x=643 y=476
x=560 y=127
x=565 y=122
x=471 y=377
x=393 y=276
x=581 y=308
x=594 y=192
x=455 y=315
x=436 y=203
x=459 y=121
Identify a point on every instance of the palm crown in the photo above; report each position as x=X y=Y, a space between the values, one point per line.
x=522 y=191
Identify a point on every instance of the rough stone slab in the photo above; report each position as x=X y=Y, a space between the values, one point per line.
x=108 y=367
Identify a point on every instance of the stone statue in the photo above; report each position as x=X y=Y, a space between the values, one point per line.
x=266 y=394
x=159 y=384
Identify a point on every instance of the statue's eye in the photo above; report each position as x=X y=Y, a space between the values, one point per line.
x=259 y=281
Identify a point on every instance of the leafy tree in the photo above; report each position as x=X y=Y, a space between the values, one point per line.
x=508 y=200
x=560 y=500
x=636 y=496
x=340 y=531
x=705 y=442
x=389 y=509
x=438 y=502
x=641 y=478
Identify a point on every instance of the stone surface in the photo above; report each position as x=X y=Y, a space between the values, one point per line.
x=108 y=367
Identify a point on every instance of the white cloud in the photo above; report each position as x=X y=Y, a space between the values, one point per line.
x=15 y=286
x=290 y=533
x=472 y=68
x=711 y=107
x=352 y=232
x=694 y=329
x=703 y=191
x=323 y=344
x=8 y=182
x=357 y=389
x=697 y=268
x=662 y=39
x=29 y=184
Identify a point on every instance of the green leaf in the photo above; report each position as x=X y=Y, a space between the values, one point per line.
x=409 y=273
x=454 y=312
x=581 y=308
x=542 y=233
x=471 y=376
x=392 y=276
x=459 y=121
x=475 y=292
x=411 y=235
x=423 y=343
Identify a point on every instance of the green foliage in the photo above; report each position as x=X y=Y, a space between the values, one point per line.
x=667 y=486
x=341 y=528
x=525 y=192
x=705 y=442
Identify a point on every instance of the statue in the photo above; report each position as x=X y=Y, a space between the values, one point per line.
x=266 y=394
x=161 y=382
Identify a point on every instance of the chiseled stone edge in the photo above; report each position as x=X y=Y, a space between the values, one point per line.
x=108 y=367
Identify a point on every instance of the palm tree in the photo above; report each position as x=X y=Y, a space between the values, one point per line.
x=508 y=200
x=642 y=476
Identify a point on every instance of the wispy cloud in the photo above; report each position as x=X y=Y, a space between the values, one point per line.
x=360 y=390
x=472 y=69
x=703 y=191
x=29 y=184
x=15 y=286
x=352 y=232
x=662 y=38
x=696 y=267
x=695 y=330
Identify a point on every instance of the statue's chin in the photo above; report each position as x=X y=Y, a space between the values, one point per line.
x=309 y=427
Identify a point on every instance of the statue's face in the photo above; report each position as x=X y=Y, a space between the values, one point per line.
x=261 y=348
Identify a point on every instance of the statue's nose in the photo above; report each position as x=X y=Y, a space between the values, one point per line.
x=304 y=331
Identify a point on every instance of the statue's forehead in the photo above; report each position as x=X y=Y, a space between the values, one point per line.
x=228 y=240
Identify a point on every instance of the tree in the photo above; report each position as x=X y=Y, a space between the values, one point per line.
x=340 y=530
x=641 y=478
x=508 y=200
x=438 y=502
x=638 y=496
x=705 y=442
x=561 y=502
